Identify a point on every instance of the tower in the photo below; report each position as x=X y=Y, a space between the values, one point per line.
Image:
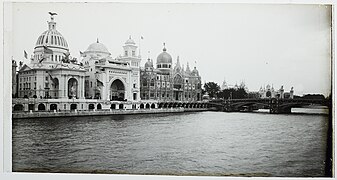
x=281 y=92
x=130 y=56
x=14 y=82
x=130 y=48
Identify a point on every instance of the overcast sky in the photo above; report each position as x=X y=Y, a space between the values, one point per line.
x=260 y=44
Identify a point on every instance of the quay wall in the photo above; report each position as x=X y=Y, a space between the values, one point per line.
x=77 y=113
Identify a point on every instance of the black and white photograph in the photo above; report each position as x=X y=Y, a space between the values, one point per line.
x=170 y=89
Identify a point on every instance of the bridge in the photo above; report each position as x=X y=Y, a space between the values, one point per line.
x=275 y=105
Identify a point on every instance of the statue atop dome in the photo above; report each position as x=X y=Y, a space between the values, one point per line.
x=52 y=15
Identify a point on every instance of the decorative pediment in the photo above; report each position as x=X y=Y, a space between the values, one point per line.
x=25 y=68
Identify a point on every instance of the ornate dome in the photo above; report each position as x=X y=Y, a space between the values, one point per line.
x=148 y=64
x=164 y=57
x=51 y=37
x=195 y=72
x=97 y=47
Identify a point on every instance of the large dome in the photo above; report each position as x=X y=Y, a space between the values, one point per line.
x=97 y=48
x=54 y=42
x=52 y=38
x=164 y=58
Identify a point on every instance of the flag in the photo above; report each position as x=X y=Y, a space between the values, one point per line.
x=46 y=50
x=25 y=54
x=43 y=58
x=54 y=80
x=100 y=82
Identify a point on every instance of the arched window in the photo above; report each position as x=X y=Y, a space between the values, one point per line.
x=144 y=82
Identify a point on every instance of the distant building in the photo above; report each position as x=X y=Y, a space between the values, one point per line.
x=225 y=85
x=270 y=92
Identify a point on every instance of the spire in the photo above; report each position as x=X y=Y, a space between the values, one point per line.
x=148 y=54
x=52 y=23
x=129 y=36
x=164 y=49
x=177 y=67
x=97 y=41
x=188 y=68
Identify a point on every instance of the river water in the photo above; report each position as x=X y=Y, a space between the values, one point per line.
x=200 y=143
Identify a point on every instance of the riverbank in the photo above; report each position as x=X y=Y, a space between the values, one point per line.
x=49 y=114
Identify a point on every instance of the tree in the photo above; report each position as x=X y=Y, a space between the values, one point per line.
x=212 y=89
x=234 y=93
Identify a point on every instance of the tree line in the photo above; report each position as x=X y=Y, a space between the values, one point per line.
x=241 y=92
x=214 y=91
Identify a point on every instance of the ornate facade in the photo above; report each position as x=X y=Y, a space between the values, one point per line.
x=46 y=76
x=115 y=79
x=55 y=81
x=167 y=83
x=53 y=74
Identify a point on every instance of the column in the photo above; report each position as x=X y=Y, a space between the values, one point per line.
x=65 y=90
x=105 y=87
x=62 y=87
x=82 y=86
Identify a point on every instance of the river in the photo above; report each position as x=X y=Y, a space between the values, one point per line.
x=200 y=143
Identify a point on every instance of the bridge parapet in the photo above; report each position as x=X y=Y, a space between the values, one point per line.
x=274 y=105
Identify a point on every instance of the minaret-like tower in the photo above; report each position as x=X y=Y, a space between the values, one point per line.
x=130 y=56
x=130 y=48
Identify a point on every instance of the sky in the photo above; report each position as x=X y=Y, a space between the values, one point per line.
x=259 y=44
